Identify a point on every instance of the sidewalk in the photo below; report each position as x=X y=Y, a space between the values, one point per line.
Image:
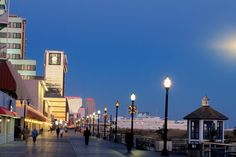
x=72 y=145
x=46 y=146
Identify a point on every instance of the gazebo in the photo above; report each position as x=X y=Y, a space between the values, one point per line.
x=205 y=124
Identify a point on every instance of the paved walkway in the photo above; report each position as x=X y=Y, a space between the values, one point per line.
x=72 y=145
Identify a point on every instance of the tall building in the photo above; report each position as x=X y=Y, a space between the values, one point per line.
x=89 y=106
x=74 y=104
x=55 y=69
x=12 y=45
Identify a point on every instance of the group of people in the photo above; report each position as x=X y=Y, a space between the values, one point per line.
x=60 y=131
x=26 y=134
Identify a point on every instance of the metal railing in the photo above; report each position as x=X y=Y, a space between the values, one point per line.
x=212 y=149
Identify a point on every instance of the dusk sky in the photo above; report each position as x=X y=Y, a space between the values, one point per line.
x=116 y=47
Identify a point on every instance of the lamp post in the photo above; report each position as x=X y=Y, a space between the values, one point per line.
x=90 y=122
x=117 y=106
x=99 y=113
x=167 y=84
x=105 y=121
x=28 y=102
x=133 y=98
x=94 y=114
x=87 y=120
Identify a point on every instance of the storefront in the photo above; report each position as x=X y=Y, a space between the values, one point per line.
x=7 y=118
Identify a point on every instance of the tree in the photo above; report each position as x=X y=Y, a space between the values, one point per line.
x=161 y=133
x=213 y=134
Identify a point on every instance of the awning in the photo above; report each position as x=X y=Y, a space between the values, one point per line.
x=6 y=112
x=11 y=80
x=34 y=114
x=3 y=20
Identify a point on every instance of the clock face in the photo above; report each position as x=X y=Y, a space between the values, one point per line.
x=54 y=58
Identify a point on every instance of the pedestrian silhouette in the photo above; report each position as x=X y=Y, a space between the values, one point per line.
x=26 y=133
x=86 y=135
x=34 y=135
x=58 y=131
x=129 y=141
x=62 y=132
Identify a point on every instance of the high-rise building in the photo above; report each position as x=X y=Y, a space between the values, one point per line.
x=55 y=69
x=12 y=45
x=74 y=104
x=81 y=112
x=89 y=106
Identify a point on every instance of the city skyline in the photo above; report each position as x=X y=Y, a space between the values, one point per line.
x=116 y=48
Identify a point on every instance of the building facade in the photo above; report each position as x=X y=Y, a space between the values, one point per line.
x=55 y=69
x=89 y=106
x=12 y=43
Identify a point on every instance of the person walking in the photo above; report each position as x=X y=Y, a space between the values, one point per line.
x=34 y=135
x=87 y=133
x=57 y=131
x=25 y=133
x=62 y=132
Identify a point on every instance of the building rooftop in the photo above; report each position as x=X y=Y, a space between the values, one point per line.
x=206 y=112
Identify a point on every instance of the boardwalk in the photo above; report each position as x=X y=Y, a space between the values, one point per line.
x=72 y=145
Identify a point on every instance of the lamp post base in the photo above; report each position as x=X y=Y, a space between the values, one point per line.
x=164 y=152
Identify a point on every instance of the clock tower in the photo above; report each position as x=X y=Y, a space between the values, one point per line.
x=55 y=68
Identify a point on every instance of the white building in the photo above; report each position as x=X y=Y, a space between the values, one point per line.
x=152 y=123
x=74 y=104
x=55 y=69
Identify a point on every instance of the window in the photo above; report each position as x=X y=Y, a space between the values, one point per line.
x=2 y=7
x=219 y=130
x=194 y=129
x=207 y=128
x=13 y=46
x=14 y=25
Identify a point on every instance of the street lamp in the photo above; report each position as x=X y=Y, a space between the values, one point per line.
x=90 y=122
x=105 y=121
x=167 y=84
x=117 y=106
x=94 y=114
x=133 y=98
x=28 y=102
x=99 y=113
x=87 y=120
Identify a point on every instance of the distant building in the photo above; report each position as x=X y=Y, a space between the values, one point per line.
x=151 y=123
x=74 y=104
x=81 y=112
x=55 y=69
x=12 y=44
x=89 y=106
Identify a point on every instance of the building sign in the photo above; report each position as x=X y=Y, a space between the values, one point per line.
x=54 y=59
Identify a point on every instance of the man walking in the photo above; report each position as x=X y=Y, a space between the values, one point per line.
x=26 y=132
x=86 y=135
x=34 y=135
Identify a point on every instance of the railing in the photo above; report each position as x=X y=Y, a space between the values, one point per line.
x=211 y=149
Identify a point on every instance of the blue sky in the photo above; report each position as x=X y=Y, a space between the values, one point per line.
x=115 y=48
